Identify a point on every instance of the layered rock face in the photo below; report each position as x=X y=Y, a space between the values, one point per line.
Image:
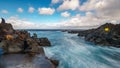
x=107 y=34
x=15 y=41
x=19 y=41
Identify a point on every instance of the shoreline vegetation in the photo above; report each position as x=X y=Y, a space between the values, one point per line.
x=19 y=44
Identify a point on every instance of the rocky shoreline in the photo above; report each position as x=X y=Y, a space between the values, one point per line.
x=106 y=35
x=20 y=42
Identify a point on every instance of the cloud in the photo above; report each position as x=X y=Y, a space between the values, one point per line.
x=69 y=4
x=4 y=11
x=46 y=11
x=31 y=10
x=19 y=23
x=90 y=20
x=97 y=12
x=65 y=14
x=105 y=9
x=55 y=1
x=20 y=10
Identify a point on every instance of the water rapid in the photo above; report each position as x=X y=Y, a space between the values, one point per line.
x=73 y=52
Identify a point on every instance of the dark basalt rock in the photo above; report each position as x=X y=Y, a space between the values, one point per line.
x=5 y=28
x=102 y=37
x=3 y=21
x=16 y=41
x=55 y=62
x=20 y=42
x=73 y=32
x=44 y=42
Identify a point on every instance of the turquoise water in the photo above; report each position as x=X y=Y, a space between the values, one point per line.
x=74 y=52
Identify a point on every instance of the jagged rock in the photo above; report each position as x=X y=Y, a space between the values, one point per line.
x=3 y=21
x=102 y=37
x=55 y=62
x=11 y=46
x=44 y=42
x=4 y=46
x=4 y=25
x=22 y=34
x=5 y=29
x=73 y=31
x=20 y=41
x=34 y=35
x=15 y=48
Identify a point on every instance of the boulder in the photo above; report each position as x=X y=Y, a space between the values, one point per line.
x=44 y=42
x=4 y=46
x=15 y=47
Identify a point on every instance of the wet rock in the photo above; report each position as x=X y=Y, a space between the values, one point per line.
x=44 y=42
x=103 y=37
x=34 y=35
x=20 y=42
x=11 y=46
x=73 y=31
x=4 y=46
x=55 y=62
x=43 y=62
x=14 y=48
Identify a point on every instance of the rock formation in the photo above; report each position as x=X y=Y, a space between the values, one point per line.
x=15 y=41
x=106 y=35
x=3 y=21
x=19 y=41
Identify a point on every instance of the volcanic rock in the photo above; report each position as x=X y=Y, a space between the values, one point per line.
x=103 y=37
x=20 y=42
x=44 y=42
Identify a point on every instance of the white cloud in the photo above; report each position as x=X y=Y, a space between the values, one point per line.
x=4 y=11
x=65 y=14
x=19 y=23
x=69 y=4
x=97 y=12
x=55 y=1
x=103 y=8
x=31 y=9
x=46 y=11
x=25 y=24
x=20 y=10
x=90 y=20
x=0 y=20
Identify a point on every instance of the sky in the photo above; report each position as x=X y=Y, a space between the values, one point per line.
x=59 y=14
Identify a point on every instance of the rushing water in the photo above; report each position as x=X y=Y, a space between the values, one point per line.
x=74 y=52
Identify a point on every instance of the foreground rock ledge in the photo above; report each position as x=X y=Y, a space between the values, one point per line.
x=25 y=61
x=20 y=42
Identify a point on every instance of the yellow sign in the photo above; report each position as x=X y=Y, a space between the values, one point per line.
x=107 y=29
